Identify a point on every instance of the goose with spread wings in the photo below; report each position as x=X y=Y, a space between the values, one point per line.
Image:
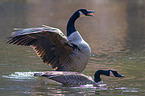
x=63 y=53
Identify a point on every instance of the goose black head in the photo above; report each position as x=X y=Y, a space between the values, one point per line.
x=73 y=18
x=107 y=73
x=115 y=73
x=85 y=12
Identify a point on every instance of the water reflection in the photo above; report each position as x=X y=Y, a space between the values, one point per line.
x=58 y=90
x=135 y=34
x=40 y=88
x=116 y=36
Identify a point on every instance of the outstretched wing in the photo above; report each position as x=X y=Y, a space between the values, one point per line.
x=49 y=43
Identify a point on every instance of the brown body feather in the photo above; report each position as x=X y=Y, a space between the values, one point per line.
x=66 y=78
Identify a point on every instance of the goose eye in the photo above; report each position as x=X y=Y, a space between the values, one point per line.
x=115 y=73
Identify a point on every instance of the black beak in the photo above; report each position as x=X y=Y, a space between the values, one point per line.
x=119 y=75
x=90 y=13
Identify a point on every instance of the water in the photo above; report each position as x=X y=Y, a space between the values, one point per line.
x=116 y=35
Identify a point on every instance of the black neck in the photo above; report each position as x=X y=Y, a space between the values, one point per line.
x=71 y=23
x=100 y=72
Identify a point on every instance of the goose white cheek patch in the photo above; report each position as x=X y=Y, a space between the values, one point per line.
x=111 y=74
x=81 y=14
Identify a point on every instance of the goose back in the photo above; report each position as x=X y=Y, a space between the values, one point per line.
x=66 y=78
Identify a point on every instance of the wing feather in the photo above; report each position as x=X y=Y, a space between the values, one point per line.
x=48 y=42
x=68 y=79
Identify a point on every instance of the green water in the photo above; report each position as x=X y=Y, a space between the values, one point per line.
x=116 y=35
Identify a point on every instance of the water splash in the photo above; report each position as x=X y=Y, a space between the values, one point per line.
x=21 y=75
x=125 y=89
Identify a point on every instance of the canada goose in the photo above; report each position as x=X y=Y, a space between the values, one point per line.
x=63 y=53
x=74 y=78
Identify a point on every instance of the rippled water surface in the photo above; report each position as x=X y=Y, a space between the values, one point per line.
x=116 y=35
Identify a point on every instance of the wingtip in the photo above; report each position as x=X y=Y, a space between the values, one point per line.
x=16 y=29
x=8 y=40
x=13 y=33
x=46 y=26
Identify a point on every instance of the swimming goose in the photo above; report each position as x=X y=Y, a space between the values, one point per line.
x=74 y=78
x=63 y=53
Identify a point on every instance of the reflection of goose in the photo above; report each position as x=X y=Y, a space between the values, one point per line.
x=69 y=53
x=74 y=78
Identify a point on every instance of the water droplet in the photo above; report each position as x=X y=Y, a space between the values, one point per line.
x=130 y=58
